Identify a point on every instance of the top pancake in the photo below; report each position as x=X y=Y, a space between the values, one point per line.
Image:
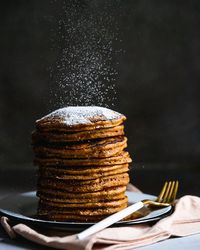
x=79 y=118
x=41 y=137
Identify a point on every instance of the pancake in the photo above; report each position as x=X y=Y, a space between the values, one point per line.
x=100 y=204
x=83 y=170
x=69 y=217
x=121 y=158
x=61 y=173
x=44 y=196
x=93 y=214
x=93 y=218
x=96 y=149
x=77 y=118
x=105 y=194
x=57 y=137
x=86 y=185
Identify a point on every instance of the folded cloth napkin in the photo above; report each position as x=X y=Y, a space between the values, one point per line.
x=184 y=221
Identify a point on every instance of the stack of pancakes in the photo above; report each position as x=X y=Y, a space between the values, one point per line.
x=83 y=168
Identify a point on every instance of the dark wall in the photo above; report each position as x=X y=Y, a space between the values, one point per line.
x=157 y=86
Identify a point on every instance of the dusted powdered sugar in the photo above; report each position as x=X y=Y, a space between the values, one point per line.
x=74 y=115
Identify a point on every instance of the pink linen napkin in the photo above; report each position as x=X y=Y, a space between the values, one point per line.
x=184 y=221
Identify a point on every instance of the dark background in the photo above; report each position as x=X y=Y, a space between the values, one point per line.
x=157 y=87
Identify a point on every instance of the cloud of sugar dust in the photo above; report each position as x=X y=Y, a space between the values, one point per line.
x=85 y=70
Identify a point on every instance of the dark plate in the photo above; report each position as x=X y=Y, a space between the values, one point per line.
x=22 y=208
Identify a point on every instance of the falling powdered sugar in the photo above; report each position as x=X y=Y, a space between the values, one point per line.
x=74 y=115
x=85 y=70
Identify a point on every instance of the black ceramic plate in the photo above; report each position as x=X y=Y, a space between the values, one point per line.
x=22 y=208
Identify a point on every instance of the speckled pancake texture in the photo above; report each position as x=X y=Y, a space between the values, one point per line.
x=82 y=165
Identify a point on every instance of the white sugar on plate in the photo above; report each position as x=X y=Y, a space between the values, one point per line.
x=73 y=115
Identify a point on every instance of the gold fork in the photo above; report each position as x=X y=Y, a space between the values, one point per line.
x=167 y=195
x=166 y=198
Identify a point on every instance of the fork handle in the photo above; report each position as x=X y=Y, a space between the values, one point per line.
x=110 y=220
